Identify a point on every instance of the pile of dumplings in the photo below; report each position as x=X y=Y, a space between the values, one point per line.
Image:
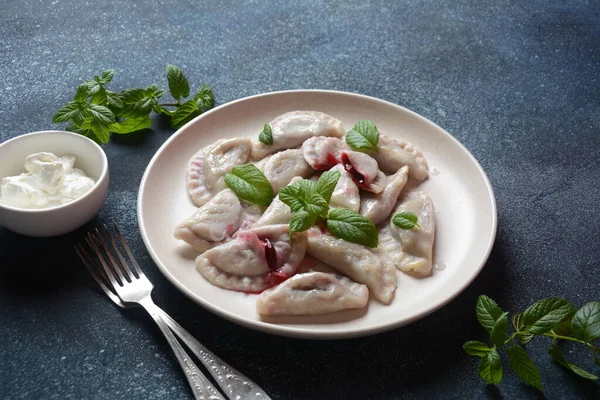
x=247 y=248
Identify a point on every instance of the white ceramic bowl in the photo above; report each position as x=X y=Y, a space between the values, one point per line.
x=67 y=217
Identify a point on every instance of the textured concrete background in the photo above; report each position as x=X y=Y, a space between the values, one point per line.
x=517 y=82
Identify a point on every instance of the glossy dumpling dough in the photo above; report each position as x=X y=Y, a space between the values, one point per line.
x=364 y=170
x=281 y=167
x=215 y=221
x=246 y=264
x=355 y=261
x=377 y=207
x=278 y=212
x=312 y=293
x=346 y=193
x=417 y=243
x=322 y=153
x=392 y=154
x=293 y=128
x=207 y=168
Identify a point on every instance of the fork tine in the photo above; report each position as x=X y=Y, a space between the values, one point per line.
x=94 y=271
x=128 y=250
x=91 y=241
x=119 y=254
x=122 y=270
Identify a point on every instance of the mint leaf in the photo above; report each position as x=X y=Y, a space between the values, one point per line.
x=93 y=86
x=586 y=322
x=184 y=113
x=316 y=205
x=250 y=184
x=517 y=321
x=113 y=99
x=301 y=221
x=490 y=367
x=487 y=312
x=476 y=348
x=101 y=114
x=292 y=196
x=546 y=314
x=326 y=184
x=564 y=328
x=524 y=367
x=139 y=102
x=557 y=355
x=266 y=136
x=81 y=94
x=498 y=330
x=131 y=125
x=107 y=76
x=352 y=227
x=67 y=112
x=205 y=98
x=100 y=97
x=101 y=130
x=406 y=220
x=364 y=136
x=178 y=83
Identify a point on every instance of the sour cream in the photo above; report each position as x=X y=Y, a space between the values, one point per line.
x=50 y=181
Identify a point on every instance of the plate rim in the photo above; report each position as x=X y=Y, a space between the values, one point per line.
x=299 y=332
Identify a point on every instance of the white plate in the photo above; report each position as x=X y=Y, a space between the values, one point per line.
x=461 y=192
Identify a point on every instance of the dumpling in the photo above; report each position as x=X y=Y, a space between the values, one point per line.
x=207 y=168
x=255 y=260
x=278 y=212
x=215 y=221
x=355 y=261
x=346 y=193
x=312 y=293
x=388 y=246
x=322 y=153
x=392 y=154
x=293 y=128
x=364 y=170
x=416 y=243
x=377 y=207
x=281 y=167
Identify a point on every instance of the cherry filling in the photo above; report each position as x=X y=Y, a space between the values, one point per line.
x=357 y=177
x=270 y=253
x=330 y=163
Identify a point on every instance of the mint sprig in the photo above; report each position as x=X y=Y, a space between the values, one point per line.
x=95 y=111
x=363 y=136
x=249 y=183
x=406 y=220
x=552 y=317
x=352 y=227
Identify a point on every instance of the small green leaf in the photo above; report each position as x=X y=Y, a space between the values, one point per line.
x=517 y=320
x=352 y=227
x=92 y=86
x=66 y=112
x=101 y=114
x=250 y=184
x=563 y=329
x=364 y=136
x=81 y=94
x=184 y=113
x=586 y=322
x=487 y=312
x=131 y=125
x=476 y=348
x=546 y=314
x=490 y=367
x=522 y=365
x=113 y=99
x=316 y=205
x=100 y=97
x=301 y=221
x=101 y=130
x=154 y=92
x=205 y=98
x=266 y=136
x=107 y=76
x=178 y=83
x=557 y=355
x=327 y=183
x=293 y=197
x=406 y=220
x=498 y=330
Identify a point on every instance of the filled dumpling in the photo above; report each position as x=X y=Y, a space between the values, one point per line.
x=215 y=221
x=355 y=261
x=207 y=168
x=346 y=193
x=364 y=170
x=377 y=207
x=322 y=153
x=278 y=212
x=312 y=293
x=392 y=154
x=281 y=167
x=255 y=260
x=416 y=243
x=293 y=128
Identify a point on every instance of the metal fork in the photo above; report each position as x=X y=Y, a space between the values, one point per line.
x=127 y=286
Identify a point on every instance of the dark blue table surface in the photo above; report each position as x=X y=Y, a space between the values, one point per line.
x=518 y=83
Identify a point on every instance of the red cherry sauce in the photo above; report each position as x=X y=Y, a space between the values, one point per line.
x=357 y=177
x=270 y=253
x=330 y=163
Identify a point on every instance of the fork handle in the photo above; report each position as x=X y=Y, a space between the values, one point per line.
x=201 y=386
x=235 y=384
